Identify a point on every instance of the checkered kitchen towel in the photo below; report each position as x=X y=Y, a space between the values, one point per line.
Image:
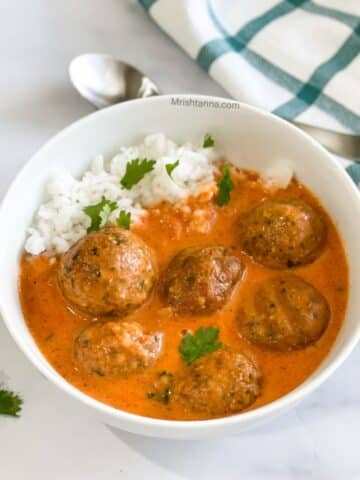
x=299 y=59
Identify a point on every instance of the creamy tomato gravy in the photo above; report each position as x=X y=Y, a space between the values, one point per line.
x=168 y=230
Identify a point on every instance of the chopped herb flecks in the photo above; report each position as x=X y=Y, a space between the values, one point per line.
x=124 y=219
x=10 y=403
x=162 y=388
x=99 y=214
x=135 y=171
x=171 y=166
x=208 y=141
x=205 y=340
x=225 y=185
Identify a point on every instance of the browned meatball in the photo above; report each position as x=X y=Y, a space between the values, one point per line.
x=199 y=280
x=287 y=314
x=108 y=272
x=282 y=233
x=222 y=383
x=115 y=348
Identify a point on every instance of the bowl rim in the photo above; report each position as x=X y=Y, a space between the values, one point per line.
x=162 y=425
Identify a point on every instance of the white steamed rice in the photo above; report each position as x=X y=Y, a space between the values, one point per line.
x=60 y=220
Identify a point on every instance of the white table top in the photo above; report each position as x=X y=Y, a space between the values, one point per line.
x=54 y=439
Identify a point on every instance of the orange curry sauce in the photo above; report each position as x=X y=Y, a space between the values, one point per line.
x=168 y=230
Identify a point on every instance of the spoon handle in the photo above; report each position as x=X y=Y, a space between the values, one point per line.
x=343 y=144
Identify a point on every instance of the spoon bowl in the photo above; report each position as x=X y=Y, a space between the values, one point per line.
x=104 y=80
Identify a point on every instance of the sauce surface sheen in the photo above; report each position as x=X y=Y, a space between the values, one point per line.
x=168 y=229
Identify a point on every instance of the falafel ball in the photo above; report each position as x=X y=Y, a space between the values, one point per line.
x=199 y=280
x=108 y=272
x=282 y=233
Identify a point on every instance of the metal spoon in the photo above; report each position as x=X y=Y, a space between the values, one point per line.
x=104 y=81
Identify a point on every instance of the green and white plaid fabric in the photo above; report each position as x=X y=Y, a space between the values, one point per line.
x=297 y=58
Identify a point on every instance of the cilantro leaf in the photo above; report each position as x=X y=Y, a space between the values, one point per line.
x=105 y=214
x=135 y=171
x=99 y=213
x=208 y=141
x=225 y=185
x=124 y=219
x=205 y=340
x=10 y=403
x=171 y=166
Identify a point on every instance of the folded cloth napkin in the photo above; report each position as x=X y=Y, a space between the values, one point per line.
x=299 y=59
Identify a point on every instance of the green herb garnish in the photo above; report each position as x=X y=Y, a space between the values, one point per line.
x=205 y=340
x=10 y=403
x=162 y=388
x=225 y=185
x=208 y=141
x=163 y=396
x=124 y=219
x=99 y=213
x=171 y=166
x=135 y=171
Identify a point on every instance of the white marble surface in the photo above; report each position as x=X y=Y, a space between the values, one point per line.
x=54 y=439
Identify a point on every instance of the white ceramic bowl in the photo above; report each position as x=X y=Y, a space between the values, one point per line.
x=249 y=138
